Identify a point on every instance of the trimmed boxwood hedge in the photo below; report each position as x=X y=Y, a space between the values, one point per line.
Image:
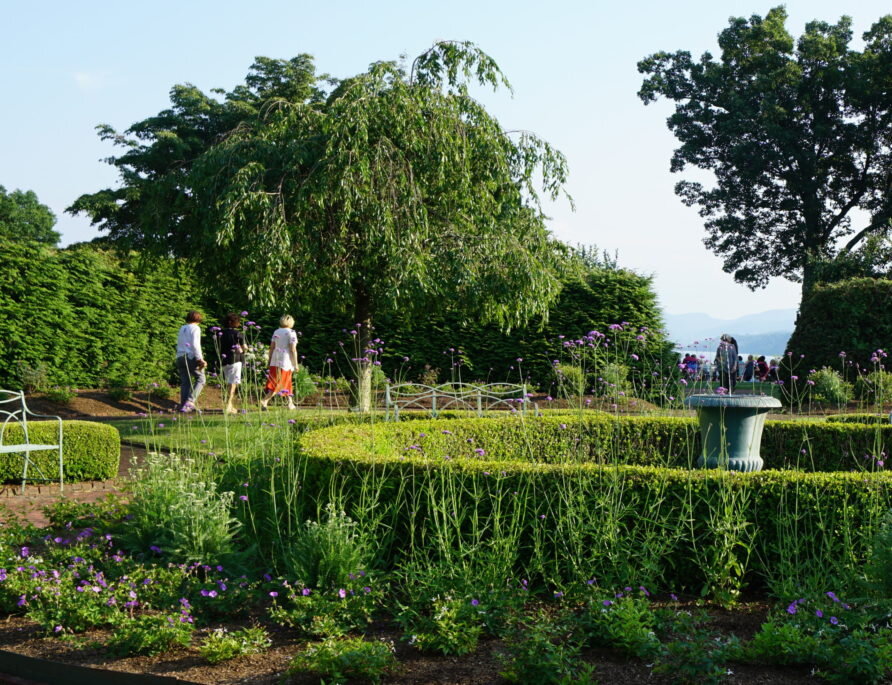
x=90 y=451
x=859 y=418
x=647 y=441
x=793 y=518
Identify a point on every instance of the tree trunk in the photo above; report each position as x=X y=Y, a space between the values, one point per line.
x=363 y=367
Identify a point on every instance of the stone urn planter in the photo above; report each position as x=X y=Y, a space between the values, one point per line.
x=731 y=428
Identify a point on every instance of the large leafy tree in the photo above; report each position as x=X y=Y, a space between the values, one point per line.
x=391 y=190
x=797 y=135
x=24 y=218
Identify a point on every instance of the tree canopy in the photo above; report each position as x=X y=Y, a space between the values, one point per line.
x=23 y=218
x=798 y=134
x=393 y=189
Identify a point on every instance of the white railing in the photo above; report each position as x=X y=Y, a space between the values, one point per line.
x=462 y=396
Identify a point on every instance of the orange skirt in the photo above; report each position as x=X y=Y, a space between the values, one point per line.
x=279 y=381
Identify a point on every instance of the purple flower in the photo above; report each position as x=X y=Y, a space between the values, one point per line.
x=607 y=603
x=792 y=609
x=834 y=620
x=305 y=592
x=243 y=498
x=475 y=602
x=819 y=613
x=273 y=594
x=342 y=593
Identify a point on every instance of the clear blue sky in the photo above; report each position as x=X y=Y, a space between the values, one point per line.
x=67 y=66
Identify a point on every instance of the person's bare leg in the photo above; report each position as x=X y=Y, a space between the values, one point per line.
x=230 y=396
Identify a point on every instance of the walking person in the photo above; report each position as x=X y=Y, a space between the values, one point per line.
x=232 y=358
x=190 y=362
x=726 y=362
x=282 y=363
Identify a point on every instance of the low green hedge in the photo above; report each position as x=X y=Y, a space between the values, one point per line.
x=689 y=528
x=859 y=418
x=90 y=451
x=646 y=441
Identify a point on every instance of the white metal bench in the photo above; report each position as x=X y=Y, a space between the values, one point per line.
x=14 y=411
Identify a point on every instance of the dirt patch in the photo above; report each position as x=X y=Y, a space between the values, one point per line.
x=483 y=667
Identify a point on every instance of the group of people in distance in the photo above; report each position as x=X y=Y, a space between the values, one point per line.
x=191 y=363
x=728 y=367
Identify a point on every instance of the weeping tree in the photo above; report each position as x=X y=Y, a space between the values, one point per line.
x=391 y=190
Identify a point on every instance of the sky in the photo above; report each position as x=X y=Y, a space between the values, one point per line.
x=66 y=67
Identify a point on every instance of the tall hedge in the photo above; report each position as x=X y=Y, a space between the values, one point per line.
x=850 y=316
x=601 y=297
x=88 y=315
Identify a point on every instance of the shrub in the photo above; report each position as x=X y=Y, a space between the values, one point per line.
x=90 y=451
x=61 y=394
x=875 y=387
x=150 y=634
x=541 y=650
x=829 y=386
x=571 y=380
x=325 y=553
x=177 y=509
x=221 y=645
x=339 y=660
x=452 y=625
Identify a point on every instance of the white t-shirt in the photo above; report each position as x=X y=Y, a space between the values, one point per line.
x=283 y=339
x=189 y=341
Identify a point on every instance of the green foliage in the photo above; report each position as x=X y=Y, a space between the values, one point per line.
x=123 y=318
x=90 y=451
x=222 y=645
x=178 y=509
x=450 y=625
x=542 y=650
x=150 y=634
x=61 y=394
x=706 y=530
x=843 y=317
x=571 y=380
x=879 y=568
x=624 y=622
x=325 y=553
x=874 y=387
x=830 y=387
x=858 y=418
x=328 y=613
x=766 y=100
x=23 y=219
x=340 y=660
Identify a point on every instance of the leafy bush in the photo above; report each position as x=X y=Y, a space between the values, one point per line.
x=90 y=451
x=340 y=660
x=450 y=626
x=221 y=645
x=61 y=394
x=179 y=511
x=542 y=650
x=150 y=634
x=875 y=387
x=324 y=554
x=829 y=386
x=330 y=613
x=571 y=380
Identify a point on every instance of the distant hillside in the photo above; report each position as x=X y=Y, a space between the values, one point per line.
x=768 y=331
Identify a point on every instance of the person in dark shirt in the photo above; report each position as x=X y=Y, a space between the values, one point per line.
x=232 y=358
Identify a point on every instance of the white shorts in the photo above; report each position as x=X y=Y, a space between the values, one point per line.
x=232 y=373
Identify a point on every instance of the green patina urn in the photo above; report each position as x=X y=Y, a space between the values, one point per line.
x=731 y=428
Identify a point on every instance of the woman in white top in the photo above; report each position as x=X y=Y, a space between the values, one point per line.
x=282 y=363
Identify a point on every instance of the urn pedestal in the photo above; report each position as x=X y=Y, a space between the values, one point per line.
x=731 y=428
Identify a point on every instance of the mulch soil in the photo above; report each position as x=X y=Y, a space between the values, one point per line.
x=22 y=636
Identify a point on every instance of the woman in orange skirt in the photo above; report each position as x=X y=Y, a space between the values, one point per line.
x=282 y=363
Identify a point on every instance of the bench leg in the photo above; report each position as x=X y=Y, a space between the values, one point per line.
x=61 y=473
